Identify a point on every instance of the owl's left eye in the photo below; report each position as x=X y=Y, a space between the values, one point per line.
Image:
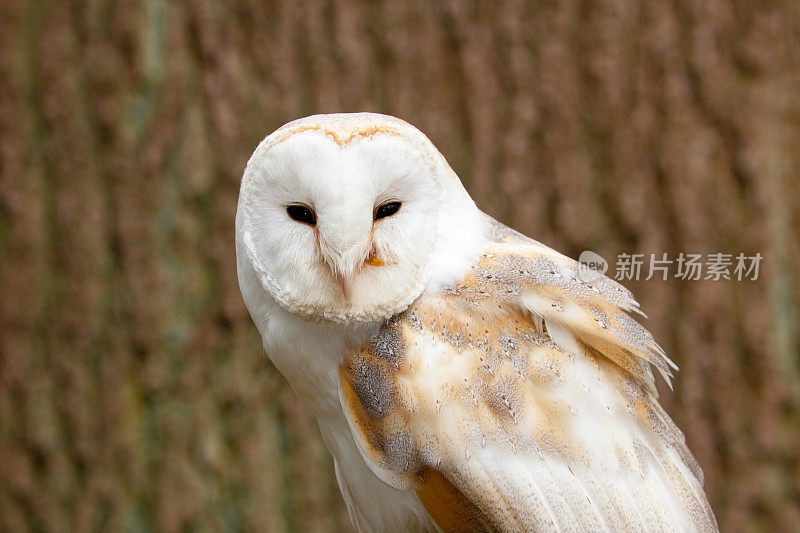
x=301 y=213
x=386 y=210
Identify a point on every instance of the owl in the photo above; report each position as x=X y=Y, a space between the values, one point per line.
x=464 y=376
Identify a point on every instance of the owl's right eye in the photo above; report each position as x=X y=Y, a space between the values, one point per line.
x=302 y=213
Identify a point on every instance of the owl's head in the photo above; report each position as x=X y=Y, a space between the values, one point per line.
x=347 y=217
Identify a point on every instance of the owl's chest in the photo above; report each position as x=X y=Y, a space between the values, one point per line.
x=308 y=355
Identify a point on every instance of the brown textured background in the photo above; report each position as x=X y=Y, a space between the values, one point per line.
x=134 y=394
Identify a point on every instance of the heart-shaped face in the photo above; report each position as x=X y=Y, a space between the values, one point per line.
x=339 y=215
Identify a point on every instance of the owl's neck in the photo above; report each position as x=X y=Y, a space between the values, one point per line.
x=309 y=353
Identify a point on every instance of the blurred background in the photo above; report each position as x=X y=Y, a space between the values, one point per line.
x=134 y=392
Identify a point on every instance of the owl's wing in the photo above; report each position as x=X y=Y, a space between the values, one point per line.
x=521 y=399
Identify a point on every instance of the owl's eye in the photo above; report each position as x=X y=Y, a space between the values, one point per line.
x=388 y=209
x=302 y=213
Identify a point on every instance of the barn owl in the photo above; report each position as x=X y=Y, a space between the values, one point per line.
x=463 y=376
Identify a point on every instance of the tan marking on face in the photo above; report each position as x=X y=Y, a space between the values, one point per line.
x=374 y=261
x=341 y=138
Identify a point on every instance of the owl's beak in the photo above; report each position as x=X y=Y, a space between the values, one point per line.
x=346 y=283
x=345 y=267
x=346 y=253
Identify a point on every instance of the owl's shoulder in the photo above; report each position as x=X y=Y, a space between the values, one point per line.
x=520 y=363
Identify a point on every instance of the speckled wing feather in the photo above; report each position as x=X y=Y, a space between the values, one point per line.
x=521 y=399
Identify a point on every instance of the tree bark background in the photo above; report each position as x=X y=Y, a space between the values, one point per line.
x=134 y=393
